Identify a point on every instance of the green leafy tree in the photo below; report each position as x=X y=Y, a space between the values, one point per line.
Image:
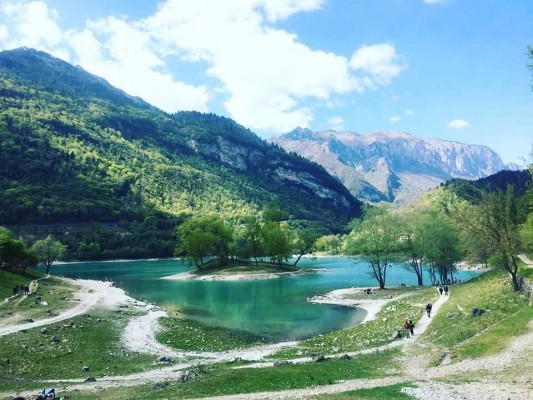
x=252 y=235
x=304 y=242
x=496 y=222
x=48 y=251
x=203 y=237
x=376 y=239
x=442 y=252
x=415 y=239
x=14 y=253
x=276 y=240
x=526 y=234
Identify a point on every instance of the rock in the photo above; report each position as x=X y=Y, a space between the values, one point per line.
x=90 y=379
x=189 y=375
x=345 y=357
x=280 y=363
x=397 y=334
x=165 y=360
x=319 y=358
x=28 y=320
x=159 y=386
x=55 y=339
x=477 y=312
x=86 y=368
x=7 y=361
x=44 y=330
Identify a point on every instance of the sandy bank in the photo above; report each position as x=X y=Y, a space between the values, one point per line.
x=338 y=297
x=190 y=276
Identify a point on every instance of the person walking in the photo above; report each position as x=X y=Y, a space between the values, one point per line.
x=429 y=306
x=407 y=329
x=411 y=327
x=446 y=290
x=441 y=289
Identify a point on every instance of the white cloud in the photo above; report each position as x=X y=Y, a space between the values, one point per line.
x=266 y=78
x=267 y=73
x=395 y=118
x=458 y=124
x=381 y=61
x=434 y=1
x=336 y=123
x=32 y=24
x=409 y=112
x=3 y=32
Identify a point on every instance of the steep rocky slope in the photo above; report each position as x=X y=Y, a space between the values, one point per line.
x=390 y=166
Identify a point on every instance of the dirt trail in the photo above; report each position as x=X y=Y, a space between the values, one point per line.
x=89 y=295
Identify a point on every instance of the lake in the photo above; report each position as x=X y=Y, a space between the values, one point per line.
x=273 y=309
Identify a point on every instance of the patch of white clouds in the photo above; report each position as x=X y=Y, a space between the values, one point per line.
x=380 y=61
x=396 y=118
x=409 y=113
x=32 y=24
x=336 y=123
x=269 y=79
x=4 y=34
x=434 y=1
x=458 y=124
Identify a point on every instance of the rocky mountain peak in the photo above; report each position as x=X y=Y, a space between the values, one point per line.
x=391 y=166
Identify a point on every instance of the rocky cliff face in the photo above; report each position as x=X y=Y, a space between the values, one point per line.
x=391 y=166
x=253 y=155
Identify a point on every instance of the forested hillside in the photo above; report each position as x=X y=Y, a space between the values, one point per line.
x=114 y=176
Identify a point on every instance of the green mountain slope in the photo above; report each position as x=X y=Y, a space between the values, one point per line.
x=75 y=150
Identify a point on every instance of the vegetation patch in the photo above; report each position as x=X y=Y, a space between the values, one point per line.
x=223 y=379
x=184 y=334
x=377 y=332
x=393 y=392
x=505 y=314
x=60 y=351
x=51 y=297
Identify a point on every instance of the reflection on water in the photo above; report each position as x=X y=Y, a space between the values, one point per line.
x=274 y=309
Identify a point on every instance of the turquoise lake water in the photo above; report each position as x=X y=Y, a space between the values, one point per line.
x=273 y=309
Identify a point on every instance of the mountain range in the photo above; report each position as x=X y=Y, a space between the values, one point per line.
x=390 y=166
x=76 y=150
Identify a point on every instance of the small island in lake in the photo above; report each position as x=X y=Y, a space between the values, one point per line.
x=239 y=272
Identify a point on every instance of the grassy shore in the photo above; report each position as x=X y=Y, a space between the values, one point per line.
x=28 y=357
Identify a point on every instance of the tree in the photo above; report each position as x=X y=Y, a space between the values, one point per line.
x=304 y=242
x=252 y=235
x=47 y=251
x=443 y=251
x=416 y=238
x=205 y=236
x=14 y=253
x=376 y=239
x=496 y=222
x=276 y=240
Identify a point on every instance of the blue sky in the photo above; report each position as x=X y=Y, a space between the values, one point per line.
x=448 y=69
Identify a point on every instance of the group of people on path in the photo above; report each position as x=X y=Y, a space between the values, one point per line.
x=409 y=326
x=21 y=289
x=443 y=290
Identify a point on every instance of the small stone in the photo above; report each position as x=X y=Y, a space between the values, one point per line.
x=86 y=368
x=44 y=330
x=90 y=379
x=345 y=357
